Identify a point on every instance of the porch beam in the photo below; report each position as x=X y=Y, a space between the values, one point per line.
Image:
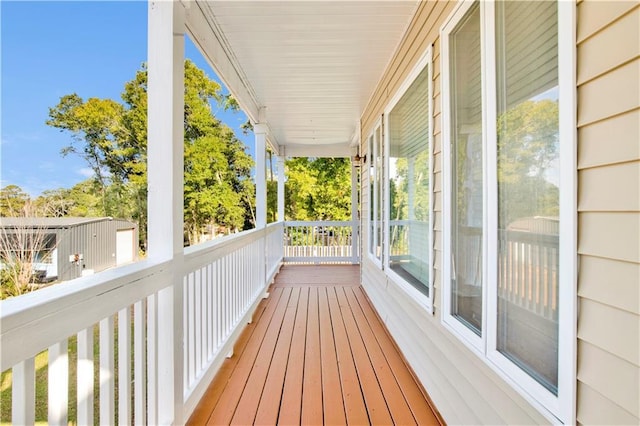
x=319 y=150
x=166 y=29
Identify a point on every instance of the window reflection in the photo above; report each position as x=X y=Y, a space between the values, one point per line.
x=467 y=166
x=528 y=187
x=409 y=185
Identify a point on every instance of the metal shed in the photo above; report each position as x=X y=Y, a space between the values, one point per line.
x=76 y=246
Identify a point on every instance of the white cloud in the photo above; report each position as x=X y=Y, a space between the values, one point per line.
x=86 y=172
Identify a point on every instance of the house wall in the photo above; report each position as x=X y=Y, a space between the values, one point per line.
x=463 y=388
x=608 y=77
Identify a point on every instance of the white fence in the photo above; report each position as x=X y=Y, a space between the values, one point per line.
x=321 y=242
x=133 y=311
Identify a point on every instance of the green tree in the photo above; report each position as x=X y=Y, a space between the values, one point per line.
x=13 y=201
x=318 y=189
x=112 y=138
x=527 y=148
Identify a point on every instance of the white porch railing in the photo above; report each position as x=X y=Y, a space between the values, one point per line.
x=321 y=242
x=117 y=312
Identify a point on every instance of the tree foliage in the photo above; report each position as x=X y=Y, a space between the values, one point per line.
x=527 y=149
x=13 y=201
x=22 y=245
x=111 y=137
x=318 y=189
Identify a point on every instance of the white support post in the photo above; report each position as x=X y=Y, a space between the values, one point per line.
x=281 y=187
x=58 y=383
x=260 y=131
x=85 y=377
x=354 y=214
x=107 y=373
x=165 y=197
x=23 y=399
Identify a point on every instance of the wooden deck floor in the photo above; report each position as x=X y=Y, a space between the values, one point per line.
x=316 y=353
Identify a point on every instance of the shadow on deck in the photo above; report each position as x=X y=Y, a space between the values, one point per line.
x=316 y=353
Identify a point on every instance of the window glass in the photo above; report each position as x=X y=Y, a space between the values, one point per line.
x=467 y=172
x=378 y=191
x=372 y=185
x=409 y=185
x=528 y=187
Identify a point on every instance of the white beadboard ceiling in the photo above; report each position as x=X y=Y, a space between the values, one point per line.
x=306 y=68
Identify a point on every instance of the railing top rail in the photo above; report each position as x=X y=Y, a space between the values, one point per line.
x=320 y=223
x=37 y=320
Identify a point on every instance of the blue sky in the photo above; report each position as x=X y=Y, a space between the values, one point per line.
x=50 y=49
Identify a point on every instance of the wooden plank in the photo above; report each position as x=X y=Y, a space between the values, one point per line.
x=226 y=406
x=354 y=406
x=317 y=357
x=398 y=407
x=298 y=275
x=291 y=405
x=268 y=408
x=210 y=399
x=373 y=397
x=333 y=407
x=312 y=381
x=247 y=407
x=421 y=408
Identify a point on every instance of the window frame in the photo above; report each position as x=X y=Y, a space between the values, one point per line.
x=563 y=406
x=373 y=145
x=425 y=62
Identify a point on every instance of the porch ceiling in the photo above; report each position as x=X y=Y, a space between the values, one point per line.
x=305 y=68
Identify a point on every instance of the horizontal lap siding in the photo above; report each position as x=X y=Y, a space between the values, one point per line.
x=462 y=387
x=608 y=69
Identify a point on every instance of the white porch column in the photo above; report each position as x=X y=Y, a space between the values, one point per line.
x=281 y=187
x=260 y=132
x=165 y=203
x=355 y=237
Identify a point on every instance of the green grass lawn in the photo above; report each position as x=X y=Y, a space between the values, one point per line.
x=41 y=366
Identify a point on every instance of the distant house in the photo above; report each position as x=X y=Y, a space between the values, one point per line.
x=74 y=246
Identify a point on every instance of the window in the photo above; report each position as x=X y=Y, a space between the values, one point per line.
x=376 y=185
x=409 y=184
x=509 y=239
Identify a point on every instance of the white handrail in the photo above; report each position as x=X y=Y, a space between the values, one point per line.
x=222 y=282
x=321 y=242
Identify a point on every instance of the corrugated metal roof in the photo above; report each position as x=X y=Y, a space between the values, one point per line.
x=49 y=222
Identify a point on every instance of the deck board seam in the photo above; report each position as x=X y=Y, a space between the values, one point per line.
x=423 y=392
x=252 y=357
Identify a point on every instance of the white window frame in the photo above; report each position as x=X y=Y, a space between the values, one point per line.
x=373 y=145
x=425 y=61
x=560 y=408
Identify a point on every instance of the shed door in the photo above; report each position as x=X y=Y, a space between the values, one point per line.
x=124 y=246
